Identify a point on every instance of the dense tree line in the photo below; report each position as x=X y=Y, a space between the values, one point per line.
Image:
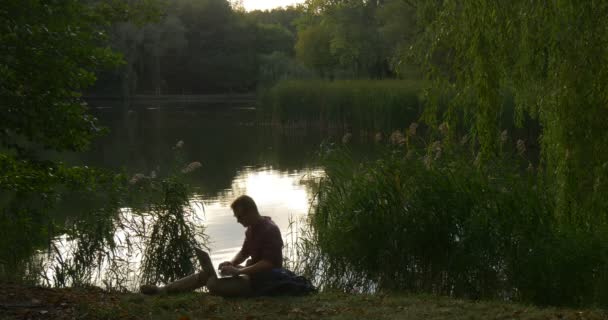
x=209 y=46
x=357 y=39
x=198 y=47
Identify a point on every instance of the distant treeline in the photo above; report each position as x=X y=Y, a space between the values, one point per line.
x=197 y=47
x=210 y=46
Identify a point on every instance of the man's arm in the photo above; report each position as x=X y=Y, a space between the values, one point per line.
x=260 y=266
x=238 y=258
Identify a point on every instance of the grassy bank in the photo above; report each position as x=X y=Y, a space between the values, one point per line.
x=39 y=303
x=364 y=104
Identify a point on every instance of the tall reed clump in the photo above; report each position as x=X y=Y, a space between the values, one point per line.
x=431 y=217
x=364 y=104
x=169 y=249
x=176 y=229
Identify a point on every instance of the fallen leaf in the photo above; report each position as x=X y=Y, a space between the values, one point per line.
x=296 y=310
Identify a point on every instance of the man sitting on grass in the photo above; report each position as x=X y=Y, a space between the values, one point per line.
x=263 y=245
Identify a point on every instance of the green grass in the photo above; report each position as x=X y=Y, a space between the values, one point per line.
x=325 y=305
x=19 y=302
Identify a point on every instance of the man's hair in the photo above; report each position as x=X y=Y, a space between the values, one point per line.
x=245 y=203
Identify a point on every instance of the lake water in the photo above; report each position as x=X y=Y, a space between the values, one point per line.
x=238 y=157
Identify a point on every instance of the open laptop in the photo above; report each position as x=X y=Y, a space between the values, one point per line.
x=205 y=261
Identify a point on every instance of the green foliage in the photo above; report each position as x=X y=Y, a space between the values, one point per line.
x=37 y=204
x=23 y=228
x=273 y=37
x=313 y=50
x=89 y=221
x=398 y=31
x=552 y=56
x=278 y=66
x=362 y=104
x=86 y=215
x=360 y=39
x=286 y=17
x=50 y=54
x=355 y=41
x=433 y=218
x=330 y=38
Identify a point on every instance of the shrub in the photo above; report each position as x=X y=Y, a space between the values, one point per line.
x=432 y=218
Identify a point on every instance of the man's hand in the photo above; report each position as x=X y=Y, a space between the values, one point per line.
x=229 y=270
x=225 y=264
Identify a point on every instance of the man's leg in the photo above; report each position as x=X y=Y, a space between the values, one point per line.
x=230 y=287
x=225 y=287
x=185 y=284
x=188 y=283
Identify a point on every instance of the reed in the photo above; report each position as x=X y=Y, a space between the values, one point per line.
x=169 y=249
x=171 y=229
x=364 y=104
x=430 y=217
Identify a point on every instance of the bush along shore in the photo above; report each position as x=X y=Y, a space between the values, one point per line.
x=433 y=216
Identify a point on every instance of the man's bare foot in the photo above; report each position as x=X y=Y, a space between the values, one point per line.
x=149 y=289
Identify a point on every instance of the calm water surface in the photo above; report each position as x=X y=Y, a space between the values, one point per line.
x=238 y=157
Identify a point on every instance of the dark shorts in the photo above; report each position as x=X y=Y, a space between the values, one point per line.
x=278 y=282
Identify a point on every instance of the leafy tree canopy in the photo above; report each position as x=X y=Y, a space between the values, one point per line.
x=49 y=53
x=362 y=35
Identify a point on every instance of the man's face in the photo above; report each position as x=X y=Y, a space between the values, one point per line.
x=242 y=216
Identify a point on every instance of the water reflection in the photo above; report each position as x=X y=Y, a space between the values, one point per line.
x=283 y=196
x=237 y=156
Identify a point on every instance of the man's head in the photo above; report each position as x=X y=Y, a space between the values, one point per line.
x=245 y=210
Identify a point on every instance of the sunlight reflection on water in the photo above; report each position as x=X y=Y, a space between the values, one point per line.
x=280 y=195
x=283 y=196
